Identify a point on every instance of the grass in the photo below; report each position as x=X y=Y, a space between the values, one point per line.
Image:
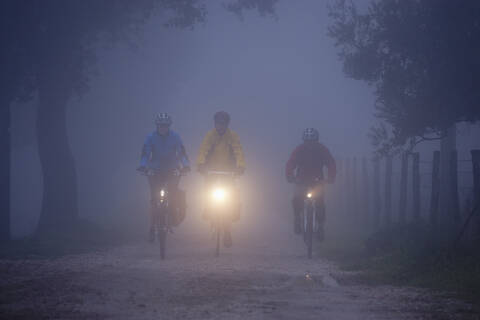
x=407 y=256
x=84 y=237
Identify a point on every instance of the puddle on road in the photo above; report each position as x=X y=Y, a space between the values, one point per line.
x=307 y=280
x=311 y=280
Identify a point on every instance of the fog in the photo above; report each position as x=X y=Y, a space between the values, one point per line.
x=274 y=75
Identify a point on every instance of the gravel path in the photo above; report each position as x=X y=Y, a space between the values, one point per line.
x=256 y=279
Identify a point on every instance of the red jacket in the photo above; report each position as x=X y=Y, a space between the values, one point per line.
x=307 y=161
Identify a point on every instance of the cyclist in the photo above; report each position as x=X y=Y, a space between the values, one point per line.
x=221 y=151
x=305 y=169
x=163 y=153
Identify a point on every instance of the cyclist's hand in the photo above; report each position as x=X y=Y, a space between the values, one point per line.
x=290 y=179
x=142 y=169
x=185 y=170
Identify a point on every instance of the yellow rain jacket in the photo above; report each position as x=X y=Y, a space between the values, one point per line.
x=221 y=152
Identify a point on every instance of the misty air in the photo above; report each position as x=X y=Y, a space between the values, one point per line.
x=240 y=159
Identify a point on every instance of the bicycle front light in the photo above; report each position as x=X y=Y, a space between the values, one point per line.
x=162 y=195
x=219 y=195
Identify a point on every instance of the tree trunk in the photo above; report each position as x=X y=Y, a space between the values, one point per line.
x=59 y=204
x=5 y=169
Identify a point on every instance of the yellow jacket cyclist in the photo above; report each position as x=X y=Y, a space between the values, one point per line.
x=221 y=149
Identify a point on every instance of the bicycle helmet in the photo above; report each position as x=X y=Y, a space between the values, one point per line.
x=222 y=116
x=163 y=119
x=310 y=134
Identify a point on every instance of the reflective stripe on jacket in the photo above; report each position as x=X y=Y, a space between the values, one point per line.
x=221 y=152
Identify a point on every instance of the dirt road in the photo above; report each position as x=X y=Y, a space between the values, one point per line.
x=256 y=279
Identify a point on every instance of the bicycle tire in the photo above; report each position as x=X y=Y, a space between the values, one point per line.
x=309 y=232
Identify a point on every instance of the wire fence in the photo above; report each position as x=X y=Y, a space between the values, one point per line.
x=399 y=189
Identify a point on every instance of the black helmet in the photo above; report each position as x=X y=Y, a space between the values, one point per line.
x=222 y=116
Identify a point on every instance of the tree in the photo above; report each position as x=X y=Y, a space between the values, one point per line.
x=421 y=56
x=16 y=83
x=48 y=47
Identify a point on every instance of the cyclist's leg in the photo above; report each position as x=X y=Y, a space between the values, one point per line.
x=320 y=216
x=298 y=205
x=206 y=196
x=154 y=189
x=237 y=204
x=178 y=201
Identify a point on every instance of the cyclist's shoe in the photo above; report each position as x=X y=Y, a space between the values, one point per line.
x=320 y=233
x=297 y=224
x=227 y=239
x=151 y=236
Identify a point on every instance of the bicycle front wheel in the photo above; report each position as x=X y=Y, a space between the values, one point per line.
x=309 y=231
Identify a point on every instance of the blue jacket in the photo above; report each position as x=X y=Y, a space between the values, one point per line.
x=164 y=152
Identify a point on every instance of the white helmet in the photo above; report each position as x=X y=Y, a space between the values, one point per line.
x=163 y=119
x=310 y=134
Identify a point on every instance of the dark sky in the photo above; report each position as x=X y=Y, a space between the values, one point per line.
x=275 y=76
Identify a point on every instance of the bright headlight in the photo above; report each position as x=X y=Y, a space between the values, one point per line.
x=219 y=194
x=162 y=193
x=309 y=195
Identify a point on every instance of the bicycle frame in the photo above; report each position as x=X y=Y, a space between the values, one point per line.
x=310 y=220
x=220 y=194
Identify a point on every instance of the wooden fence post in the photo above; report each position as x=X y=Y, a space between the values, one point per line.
x=434 y=197
x=403 y=190
x=476 y=185
x=354 y=189
x=338 y=187
x=348 y=187
x=376 y=192
x=365 y=190
x=388 y=191
x=476 y=176
x=454 y=186
x=416 y=185
x=5 y=168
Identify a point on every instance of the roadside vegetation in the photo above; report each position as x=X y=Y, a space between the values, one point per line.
x=407 y=256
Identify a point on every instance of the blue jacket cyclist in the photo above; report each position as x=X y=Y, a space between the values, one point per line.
x=163 y=156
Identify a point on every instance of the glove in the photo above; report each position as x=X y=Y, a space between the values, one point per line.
x=290 y=179
x=185 y=169
x=240 y=171
x=141 y=168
